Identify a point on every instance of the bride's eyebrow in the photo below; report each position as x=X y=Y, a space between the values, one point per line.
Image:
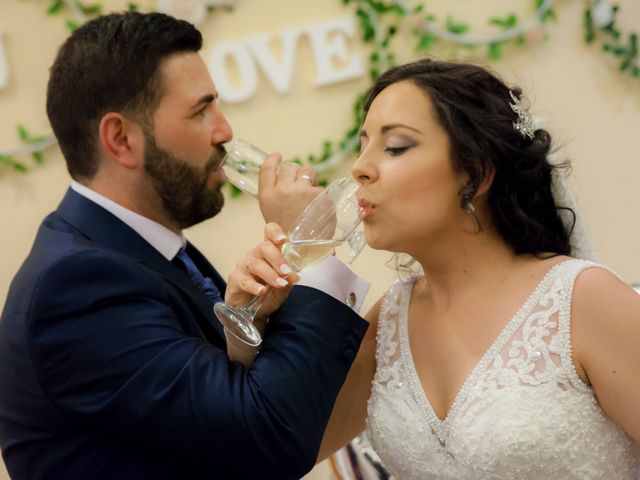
x=386 y=128
x=391 y=126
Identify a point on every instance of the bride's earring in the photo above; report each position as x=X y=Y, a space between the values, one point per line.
x=471 y=210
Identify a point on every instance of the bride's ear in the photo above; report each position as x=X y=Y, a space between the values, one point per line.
x=487 y=181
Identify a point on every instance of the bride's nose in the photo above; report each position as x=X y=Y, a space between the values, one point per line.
x=363 y=169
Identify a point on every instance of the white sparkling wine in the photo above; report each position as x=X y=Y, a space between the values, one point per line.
x=301 y=254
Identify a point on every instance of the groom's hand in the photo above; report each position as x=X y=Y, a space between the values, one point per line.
x=262 y=272
x=284 y=191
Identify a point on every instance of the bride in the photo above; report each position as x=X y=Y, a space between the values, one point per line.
x=511 y=356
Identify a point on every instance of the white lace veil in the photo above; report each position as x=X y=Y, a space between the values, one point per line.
x=580 y=240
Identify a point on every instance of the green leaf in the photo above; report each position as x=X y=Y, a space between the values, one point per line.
x=55 y=7
x=457 y=28
x=15 y=165
x=425 y=41
x=23 y=134
x=509 y=21
x=38 y=157
x=625 y=65
x=72 y=26
x=618 y=51
x=95 y=9
x=327 y=149
x=235 y=191
x=368 y=32
x=495 y=51
x=133 y=7
x=382 y=7
x=549 y=15
x=590 y=34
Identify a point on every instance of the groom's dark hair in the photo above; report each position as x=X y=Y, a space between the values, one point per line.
x=110 y=64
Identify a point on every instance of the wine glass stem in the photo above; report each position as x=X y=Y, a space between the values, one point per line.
x=253 y=306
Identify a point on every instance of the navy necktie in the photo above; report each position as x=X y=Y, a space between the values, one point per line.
x=203 y=283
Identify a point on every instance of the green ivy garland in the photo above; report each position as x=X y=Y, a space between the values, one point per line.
x=379 y=22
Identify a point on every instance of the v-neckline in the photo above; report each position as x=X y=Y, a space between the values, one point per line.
x=441 y=426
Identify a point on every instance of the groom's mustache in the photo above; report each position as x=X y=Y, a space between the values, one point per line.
x=216 y=158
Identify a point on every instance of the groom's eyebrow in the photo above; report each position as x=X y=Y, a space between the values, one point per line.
x=206 y=99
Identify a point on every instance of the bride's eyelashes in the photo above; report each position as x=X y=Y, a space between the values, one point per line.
x=395 y=151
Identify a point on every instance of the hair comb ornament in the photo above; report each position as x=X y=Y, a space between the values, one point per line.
x=525 y=125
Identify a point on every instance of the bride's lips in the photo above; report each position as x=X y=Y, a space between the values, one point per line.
x=366 y=209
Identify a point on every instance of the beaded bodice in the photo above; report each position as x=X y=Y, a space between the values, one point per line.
x=523 y=412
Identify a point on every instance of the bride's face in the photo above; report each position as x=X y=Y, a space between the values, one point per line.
x=410 y=189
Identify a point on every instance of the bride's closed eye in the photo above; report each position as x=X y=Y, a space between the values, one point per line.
x=395 y=151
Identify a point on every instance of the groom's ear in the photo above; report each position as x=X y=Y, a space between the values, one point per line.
x=122 y=140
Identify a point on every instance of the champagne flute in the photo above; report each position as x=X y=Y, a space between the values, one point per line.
x=328 y=220
x=242 y=166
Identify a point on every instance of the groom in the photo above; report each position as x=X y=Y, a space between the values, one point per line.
x=112 y=364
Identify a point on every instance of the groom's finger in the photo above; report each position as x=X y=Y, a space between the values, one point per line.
x=269 y=173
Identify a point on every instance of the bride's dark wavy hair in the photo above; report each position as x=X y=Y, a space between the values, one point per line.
x=473 y=106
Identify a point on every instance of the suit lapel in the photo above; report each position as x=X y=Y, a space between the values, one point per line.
x=106 y=229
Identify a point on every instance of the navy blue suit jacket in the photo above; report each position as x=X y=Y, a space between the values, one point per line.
x=113 y=365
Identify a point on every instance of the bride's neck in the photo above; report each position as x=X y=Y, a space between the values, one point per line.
x=477 y=262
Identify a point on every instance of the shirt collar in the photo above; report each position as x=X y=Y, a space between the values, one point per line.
x=158 y=236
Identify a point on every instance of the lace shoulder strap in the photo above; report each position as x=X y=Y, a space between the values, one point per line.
x=387 y=339
x=568 y=277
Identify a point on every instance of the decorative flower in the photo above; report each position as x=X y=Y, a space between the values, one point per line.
x=534 y=34
x=602 y=14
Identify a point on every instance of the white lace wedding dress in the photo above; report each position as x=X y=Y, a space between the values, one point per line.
x=523 y=413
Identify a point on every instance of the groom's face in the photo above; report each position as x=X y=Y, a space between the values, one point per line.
x=184 y=148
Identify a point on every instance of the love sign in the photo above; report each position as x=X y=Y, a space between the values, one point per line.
x=333 y=61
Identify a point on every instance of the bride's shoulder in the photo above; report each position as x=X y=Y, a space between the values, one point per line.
x=390 y=300
x=598 y=289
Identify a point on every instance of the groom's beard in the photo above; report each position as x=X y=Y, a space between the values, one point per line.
x=186 y=198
